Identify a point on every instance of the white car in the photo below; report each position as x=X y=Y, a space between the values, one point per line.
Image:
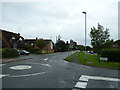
x=24 y=52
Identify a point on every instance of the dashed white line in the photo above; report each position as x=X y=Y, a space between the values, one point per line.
x=46 y=59
x=81 y=84
x=86 y=78
x=27 y=75
x=47 y=65
x=3 y=75
x=2 y=64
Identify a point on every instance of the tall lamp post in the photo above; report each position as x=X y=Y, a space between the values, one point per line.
x=85 y=32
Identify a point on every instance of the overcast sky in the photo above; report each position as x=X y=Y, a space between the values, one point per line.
x=48 y=18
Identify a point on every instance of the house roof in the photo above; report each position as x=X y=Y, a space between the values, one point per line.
x=33 y=40
x=8 y=35
x=29 y=40
x=117 y=42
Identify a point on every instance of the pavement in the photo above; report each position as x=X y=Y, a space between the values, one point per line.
x=52 y=71
x=20 y=58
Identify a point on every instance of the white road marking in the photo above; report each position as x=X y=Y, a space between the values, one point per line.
x=2 y=64
x=46 y=59
x=20 y=67
x=81 y=85
x=86 y=78
x=47 y=65
x=27 y=75
x=3 y=75
x=65 y=61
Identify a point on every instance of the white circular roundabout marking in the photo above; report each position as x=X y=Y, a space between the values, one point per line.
x=21 y=67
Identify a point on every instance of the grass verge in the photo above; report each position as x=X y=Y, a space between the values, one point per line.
x=93 y=60
x=71 y=57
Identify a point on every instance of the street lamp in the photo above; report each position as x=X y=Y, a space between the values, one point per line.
x=13 y=41
x=85 y=32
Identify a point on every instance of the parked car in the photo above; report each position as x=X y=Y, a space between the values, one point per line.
x=24 y=52
x=91 y=52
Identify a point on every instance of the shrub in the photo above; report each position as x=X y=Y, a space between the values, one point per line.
x=111 y=54
x=9 y=52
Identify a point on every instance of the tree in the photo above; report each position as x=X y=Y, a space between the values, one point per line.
x=100 y=38
x=60 y=46
x=88 y=48
x=74 y=45
x=80 y=47
x=67 y=46
x=40 y=43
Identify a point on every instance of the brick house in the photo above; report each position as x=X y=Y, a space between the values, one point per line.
x=47 y=49
x=10 y=39
x=116 y=44
x=14 y=40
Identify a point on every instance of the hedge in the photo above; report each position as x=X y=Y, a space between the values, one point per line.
x=111 y=54
x=9 y=52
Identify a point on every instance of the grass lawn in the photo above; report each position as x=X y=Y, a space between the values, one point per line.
x=71 y=57
x=93 y=60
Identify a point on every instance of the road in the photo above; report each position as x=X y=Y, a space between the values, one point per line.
x=51 y=71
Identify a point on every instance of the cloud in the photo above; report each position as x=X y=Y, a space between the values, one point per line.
x=49 y=18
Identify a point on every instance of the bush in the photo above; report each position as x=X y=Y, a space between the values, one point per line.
x=9 y=52
x=111 y=54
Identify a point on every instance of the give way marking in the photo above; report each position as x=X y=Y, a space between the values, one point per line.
x=86 y=78
x=46 y=59
x=3 y=75
x=2 y=64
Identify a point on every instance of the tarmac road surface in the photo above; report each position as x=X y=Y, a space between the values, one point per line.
x=52 y=71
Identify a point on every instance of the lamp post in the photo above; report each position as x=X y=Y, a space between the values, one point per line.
x=85 y=32
x=13 y=41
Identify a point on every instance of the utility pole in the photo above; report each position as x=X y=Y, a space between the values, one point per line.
x=85 y=31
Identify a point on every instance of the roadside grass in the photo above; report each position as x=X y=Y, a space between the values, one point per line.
x=71 y=57
x=93 y=60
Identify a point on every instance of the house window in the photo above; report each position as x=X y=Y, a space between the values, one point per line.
x=32 y=44
x=115 y=45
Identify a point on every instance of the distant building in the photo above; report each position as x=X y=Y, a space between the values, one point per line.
x=72 y=45
x=116 y=44
x=47 y=49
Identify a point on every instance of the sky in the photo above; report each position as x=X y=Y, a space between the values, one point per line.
x=49 y=18
x=119 y=20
